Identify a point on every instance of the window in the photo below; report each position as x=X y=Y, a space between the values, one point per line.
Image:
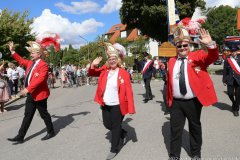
x=139 y=32
x=123 y=34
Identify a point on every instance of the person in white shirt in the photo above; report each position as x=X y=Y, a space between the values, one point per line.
x=189 y=88
x=114 y=94
x=13 y=78
x=21 y=73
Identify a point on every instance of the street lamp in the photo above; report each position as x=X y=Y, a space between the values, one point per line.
x=87 y=44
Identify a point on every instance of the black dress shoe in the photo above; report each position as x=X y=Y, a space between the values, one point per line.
x=17 y=139
x=123 y=138
x=196 y=158
x=235 y=113
x=145 y=100
x=166 y=112
x=48 y=136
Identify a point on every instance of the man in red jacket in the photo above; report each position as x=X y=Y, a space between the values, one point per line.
x=189 y=87
x=36 y=90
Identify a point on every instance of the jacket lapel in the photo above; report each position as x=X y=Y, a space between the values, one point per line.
x=34 y=69
x=170 y=69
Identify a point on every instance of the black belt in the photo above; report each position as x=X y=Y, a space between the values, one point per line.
x=182 y=99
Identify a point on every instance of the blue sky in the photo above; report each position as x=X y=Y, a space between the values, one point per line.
x=87 y=18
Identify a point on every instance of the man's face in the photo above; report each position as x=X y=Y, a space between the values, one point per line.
x=35 y=56
x=183 y=48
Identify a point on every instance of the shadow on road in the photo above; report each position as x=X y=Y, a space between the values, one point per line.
x=60 y=123
x=142 y=94
x=166 y=134
x=15 y=107
x=223 y=106
x=131 y=133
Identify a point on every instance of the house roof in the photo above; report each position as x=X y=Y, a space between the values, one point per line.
x=117 y=27
x=116 y=30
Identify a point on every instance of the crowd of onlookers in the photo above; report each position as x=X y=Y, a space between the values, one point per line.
x=70 y=75
x=11 y=82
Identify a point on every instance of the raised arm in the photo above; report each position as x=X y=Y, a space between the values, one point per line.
x=18 y=58
x=93 y=70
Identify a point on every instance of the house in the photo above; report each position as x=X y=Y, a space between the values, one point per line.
x=120 y=31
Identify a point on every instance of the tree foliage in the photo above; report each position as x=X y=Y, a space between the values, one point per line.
x=222 y=22
x=15 y=27
x=150 y=16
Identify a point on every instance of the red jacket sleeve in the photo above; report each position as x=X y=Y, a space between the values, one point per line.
x=96 y=71
x=20 y=60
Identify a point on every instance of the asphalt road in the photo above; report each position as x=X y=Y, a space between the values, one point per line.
x=82 y=136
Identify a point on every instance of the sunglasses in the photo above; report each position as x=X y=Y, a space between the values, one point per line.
x=183 y=45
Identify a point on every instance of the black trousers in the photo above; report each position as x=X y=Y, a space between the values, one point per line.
x=234 y=95
x=148 y=89
x=15 y=84
x=112 y=120
x=30 y=109
x=182 y=109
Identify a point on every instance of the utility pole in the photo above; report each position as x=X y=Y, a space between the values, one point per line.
x=87 y=44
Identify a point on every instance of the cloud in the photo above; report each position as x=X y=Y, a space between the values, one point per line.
x=79 y=7
x=90 y=7
x=68 y=31
x=232 y=3
x=111 y=6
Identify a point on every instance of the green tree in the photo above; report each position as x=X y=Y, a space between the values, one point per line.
x=70 y=55
x=53 y=57
x=222 y=22
x=150 y=16
x=122 y=41
x=139 y=45
x=15 y=27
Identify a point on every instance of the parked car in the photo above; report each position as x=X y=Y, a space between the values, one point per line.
x=218 y=62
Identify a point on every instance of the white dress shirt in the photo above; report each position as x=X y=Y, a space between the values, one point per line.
x=176 y=73
x=30 y=74
x=110 y=96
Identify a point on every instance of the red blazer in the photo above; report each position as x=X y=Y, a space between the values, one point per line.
x=37 y=87
x=125 y=93
x=199 y=79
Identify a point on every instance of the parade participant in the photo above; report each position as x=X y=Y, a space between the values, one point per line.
x=114 y=94
x=36 y=89
x=189 y=87
x=147 y=72
x=231 y=78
